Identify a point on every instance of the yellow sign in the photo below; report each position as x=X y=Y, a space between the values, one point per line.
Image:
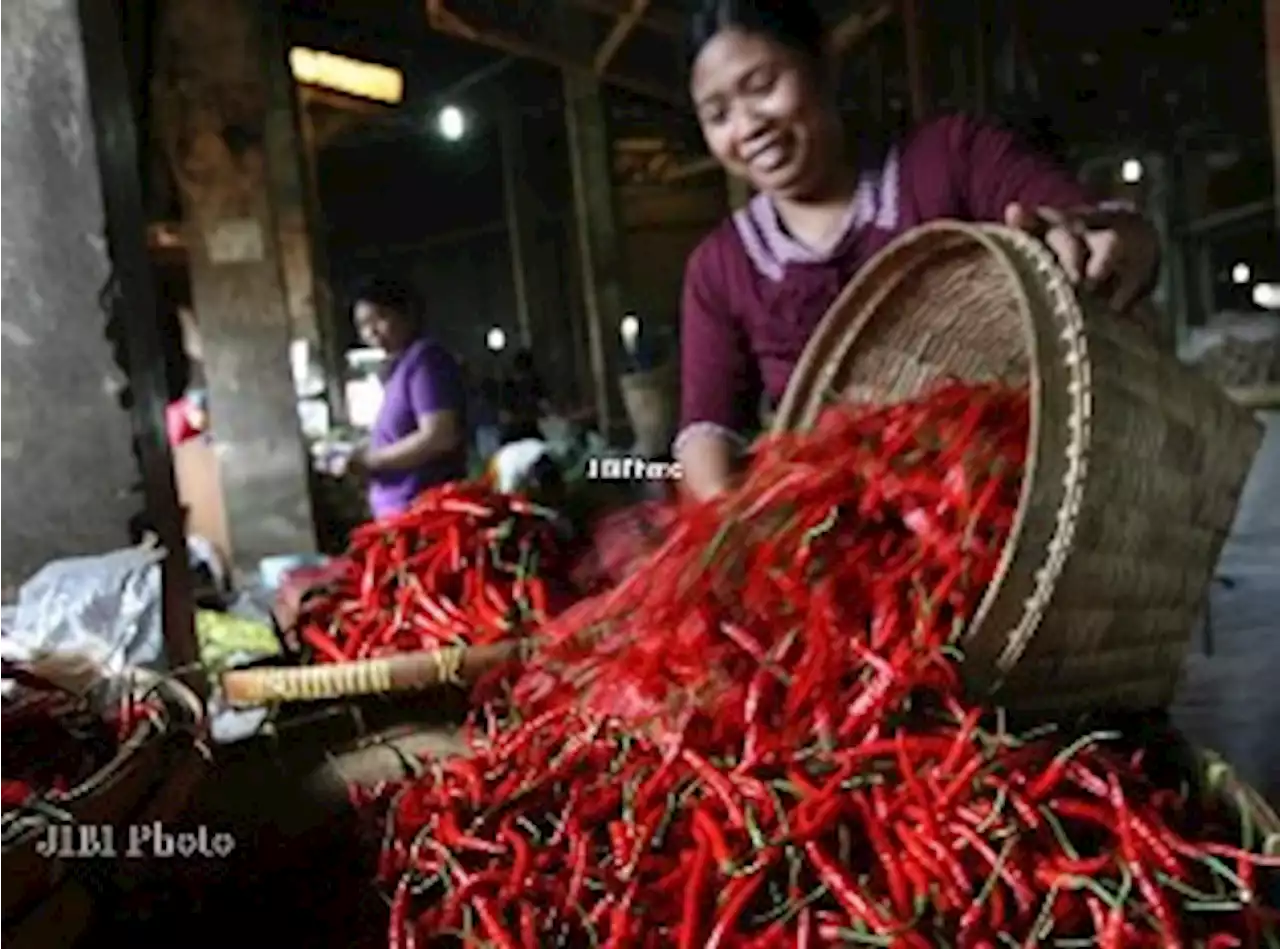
x=352 y=77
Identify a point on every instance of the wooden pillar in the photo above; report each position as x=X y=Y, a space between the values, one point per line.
x=598 y=235
x=295 y=200
x=521 y=229
x=134 y=312
x=913 y=30
x=1273 y=87
x=1166 y=208
x=981 y=68
x=325 y=305
x=226 y=129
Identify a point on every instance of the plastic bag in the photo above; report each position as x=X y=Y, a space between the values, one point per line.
x=1236 y=349
x=108 y=609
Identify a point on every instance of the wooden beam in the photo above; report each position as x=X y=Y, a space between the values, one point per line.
x=618 y=35
x=855 y=27
x=664 y=22
x=444 y=21
x=521 y=236
x=1273 y=86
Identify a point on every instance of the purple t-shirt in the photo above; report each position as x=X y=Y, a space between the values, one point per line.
x=753 y=294
x=423 y=379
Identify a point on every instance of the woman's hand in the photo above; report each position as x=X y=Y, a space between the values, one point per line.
x=356 y=464
x=1113 y=252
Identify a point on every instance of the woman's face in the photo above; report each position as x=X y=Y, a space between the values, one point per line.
x=763 y=115
x=381 y=327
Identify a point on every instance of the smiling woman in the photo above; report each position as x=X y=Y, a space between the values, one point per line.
x=827 y=201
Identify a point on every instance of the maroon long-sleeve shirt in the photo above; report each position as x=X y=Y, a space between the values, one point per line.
x=753 y=294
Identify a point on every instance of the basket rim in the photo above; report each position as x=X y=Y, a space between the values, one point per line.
x=178 y=698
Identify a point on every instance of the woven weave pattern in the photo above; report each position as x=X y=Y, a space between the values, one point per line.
x=1133 y=476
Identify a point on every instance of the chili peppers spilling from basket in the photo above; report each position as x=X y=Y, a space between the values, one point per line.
x=55 y=739
x=761 y=740
x=464 y=566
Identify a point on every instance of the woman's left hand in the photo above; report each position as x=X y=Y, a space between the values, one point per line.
x=1115 y=252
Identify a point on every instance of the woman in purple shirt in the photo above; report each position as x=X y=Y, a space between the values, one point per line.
x=419 y=435
x=757 y=286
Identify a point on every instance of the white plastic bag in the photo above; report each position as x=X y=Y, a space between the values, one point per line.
x=108 y=609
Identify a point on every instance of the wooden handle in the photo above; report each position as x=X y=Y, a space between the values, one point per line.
x=410 y=672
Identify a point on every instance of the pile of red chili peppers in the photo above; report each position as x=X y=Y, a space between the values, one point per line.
x=761 y=739
x=463 y=566
x=54 y=740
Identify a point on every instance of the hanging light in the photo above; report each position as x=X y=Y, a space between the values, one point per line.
x=496 y=340
x=1241 y=274
x=1131 y=171
x=1267 y=296
x=630 y=331
x=451 y=123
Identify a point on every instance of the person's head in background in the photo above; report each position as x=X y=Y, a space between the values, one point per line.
x=386 y=314
x=759 y=80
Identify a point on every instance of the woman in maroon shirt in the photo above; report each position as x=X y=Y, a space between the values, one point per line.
x=757 y=286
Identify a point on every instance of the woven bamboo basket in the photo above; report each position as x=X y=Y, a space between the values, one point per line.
x=108 y=797
x=1133 y=474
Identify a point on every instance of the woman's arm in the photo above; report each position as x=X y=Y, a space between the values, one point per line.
x=437 y=434
x=719 y=381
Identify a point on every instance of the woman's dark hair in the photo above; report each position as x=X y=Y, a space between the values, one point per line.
x=390 y=294
x=792 y=23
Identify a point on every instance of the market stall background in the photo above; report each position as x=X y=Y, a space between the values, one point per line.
x=1144 y=99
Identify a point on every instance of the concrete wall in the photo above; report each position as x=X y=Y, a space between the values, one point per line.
x=68 y=470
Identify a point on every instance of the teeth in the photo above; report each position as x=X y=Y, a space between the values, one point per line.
x=770 y=159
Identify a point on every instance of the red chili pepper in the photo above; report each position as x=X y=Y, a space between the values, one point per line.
x=718 y=784
x=691 y=921
x=1171 y=929
x=493 y=928
x=740 y=894
x=322 y=644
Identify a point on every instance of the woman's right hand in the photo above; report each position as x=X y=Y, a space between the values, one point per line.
x=708 y=464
